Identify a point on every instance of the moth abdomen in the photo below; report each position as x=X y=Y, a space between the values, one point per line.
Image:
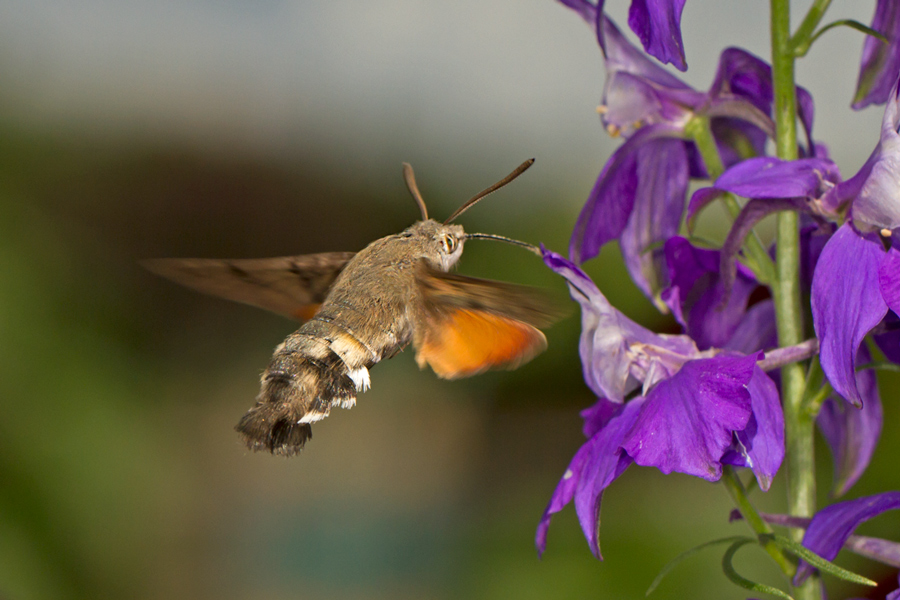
x=303 y=381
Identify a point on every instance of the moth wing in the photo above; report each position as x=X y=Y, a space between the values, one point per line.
x=471 y=325
x=293 y=286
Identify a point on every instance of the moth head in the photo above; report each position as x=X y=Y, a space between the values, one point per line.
x=445 y=245
x=441 y=245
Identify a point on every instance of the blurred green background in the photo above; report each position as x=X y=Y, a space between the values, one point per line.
x=134 y=130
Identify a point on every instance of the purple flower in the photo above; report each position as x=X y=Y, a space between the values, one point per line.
x=831 y=527
x=854 y=284
x=639 y=196
x=657 y=24
x=695 y=297
x=772 y=185
x=880 y=61
x=696 y=412
x=851 y=433
x=846 y=288
x=617 y=355
x=639 y=200
x=637 y=91
x=856 y=280
x=872 y=194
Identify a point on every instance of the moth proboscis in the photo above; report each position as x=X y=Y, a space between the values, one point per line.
x=359 y=308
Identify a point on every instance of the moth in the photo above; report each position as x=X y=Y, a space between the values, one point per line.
x=360 y=308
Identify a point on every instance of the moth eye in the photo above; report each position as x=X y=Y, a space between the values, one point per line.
x=449 y=244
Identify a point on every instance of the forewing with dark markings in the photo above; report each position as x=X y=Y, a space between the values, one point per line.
x=293 y=286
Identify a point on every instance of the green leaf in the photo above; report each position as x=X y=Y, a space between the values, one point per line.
x=688 y=553
x=802 y=49
x=743 y=582
x=819 y=562
x=882 y=366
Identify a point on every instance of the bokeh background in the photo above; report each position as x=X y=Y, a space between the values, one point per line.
x=131 y=130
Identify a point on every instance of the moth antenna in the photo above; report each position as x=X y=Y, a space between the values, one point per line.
x=410 y=179
x=500 y=238
x=519 y=170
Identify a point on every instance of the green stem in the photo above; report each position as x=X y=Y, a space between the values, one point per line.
x=739 y=496
x=817 y=389
x=799 y=450
x=700 y=131
x=803 y=37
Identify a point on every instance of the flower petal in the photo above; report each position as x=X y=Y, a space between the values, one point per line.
x=752 y=213
x=889 y=340
x=889 y=279
x=884 y=551
x=806 y=111
x=562 y=495
x=700 y=199
x=760 y=445
x=770 y=177
x=741 y=130
x=616 y=353
x=846 y=305
x=687 y=421
x=813 y=237
x=596 y=465
x=773 y=185
x=611 y=201
x=741 y=73
x=744 y=75
x=591 y=13
x=895 y=595
x=638 y=91
x=598 y=415
x=605 y=462
x=629 y=102
x=587 y=10
x=831 y=526
x=662 y=182
x=880 y=62
x=756 y=331
x=621 y=55
x=695 y=294
x=876 y=206
x=852 y=433
x=658 y=25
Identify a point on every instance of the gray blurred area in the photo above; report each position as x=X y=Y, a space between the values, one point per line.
x=131 y=130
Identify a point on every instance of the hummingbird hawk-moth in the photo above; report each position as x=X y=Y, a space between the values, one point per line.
x=360 y=308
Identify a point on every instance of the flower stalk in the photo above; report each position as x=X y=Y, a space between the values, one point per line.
x=805 y=32
x=799 y=449
x=735 y=488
